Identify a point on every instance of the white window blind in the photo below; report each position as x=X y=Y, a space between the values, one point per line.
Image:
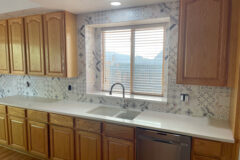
x=134 y=57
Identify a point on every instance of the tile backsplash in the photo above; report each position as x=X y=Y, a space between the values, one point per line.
x=204 y=101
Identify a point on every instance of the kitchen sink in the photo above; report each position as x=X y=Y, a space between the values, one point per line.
x=114 y=112
x=105 y=111
x=130 y=115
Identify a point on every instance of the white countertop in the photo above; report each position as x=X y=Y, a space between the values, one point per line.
x=199 y=127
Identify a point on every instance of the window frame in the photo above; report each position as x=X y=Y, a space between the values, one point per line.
x=132 y=57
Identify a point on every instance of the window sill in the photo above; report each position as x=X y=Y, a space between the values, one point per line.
x=131 y=96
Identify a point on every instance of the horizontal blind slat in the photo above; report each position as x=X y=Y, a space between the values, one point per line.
x=149 y=46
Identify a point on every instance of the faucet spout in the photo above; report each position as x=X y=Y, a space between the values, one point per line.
x=123 y=88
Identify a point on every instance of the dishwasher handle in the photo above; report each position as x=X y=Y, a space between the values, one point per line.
x=163 y=141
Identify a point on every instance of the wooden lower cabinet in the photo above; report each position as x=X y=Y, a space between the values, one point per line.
x=38 y=139
x=88 y=146
x=211 y=150
x=84 y=139
x=117 y=149
x=62 y=143
x=3 y=129
x=17 y=133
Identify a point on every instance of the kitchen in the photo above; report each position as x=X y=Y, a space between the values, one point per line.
x=119 y=80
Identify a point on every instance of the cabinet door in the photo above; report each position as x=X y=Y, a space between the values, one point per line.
x=117 y=149
x=55 y=46
x=3 y=129
x=62 y=143
x=38 y=138
x=4 y=54
x=34 y=45
x=16 y=46
x=202 y=52
x=88 y=146
x=17 y=133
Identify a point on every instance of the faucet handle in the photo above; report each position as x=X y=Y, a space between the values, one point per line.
x=125 y=104
x=144 y=108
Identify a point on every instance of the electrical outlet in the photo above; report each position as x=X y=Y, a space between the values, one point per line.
x=185 y=97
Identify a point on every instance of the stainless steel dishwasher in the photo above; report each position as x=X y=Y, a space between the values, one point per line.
x=154 y=145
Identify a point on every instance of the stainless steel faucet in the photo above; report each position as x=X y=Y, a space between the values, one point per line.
x=125 y=105
x=123 y=88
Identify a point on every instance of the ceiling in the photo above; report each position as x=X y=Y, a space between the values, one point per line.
x=74 y=6
x=16 y=5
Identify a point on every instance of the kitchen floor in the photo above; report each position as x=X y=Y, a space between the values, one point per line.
x=6 y=154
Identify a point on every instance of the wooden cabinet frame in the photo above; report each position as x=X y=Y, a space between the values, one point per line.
x=4 y=69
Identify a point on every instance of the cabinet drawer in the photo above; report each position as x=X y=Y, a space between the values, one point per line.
x=207 y=148
x=61 y=120
x=88 y=125
x=203 y=158
x=2 y=109
x=37 y=116
x=19 y=112
x=118 y=131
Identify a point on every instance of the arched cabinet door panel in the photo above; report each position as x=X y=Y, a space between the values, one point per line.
x=55 y=44
x=60 y=39
x=4 y=51
x=17 y=46
x=34 y=45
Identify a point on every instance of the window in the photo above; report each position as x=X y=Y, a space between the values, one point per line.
x=134 y=57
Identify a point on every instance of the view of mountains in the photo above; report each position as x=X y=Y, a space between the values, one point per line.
x=147 y=72
x=122 y=58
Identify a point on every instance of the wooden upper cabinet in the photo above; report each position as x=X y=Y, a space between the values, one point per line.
x=34 y=45
x=17 y=46
x=202 y=51
x=4 y=52
x=60 y=44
